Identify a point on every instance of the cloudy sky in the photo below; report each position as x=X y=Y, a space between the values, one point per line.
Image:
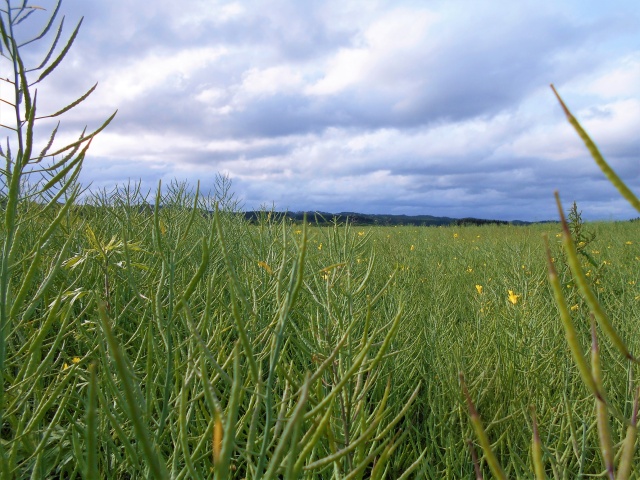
x=405 y=107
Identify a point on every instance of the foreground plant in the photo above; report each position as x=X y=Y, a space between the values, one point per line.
x=35 y=187
x=592 y=375
x=136 y=342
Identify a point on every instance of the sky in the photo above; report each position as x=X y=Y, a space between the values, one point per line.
x=402 y=107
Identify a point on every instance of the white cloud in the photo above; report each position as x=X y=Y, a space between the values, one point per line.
x=272 y=80
x=614 y=122
x=386 y=49
x=553 y=141
x=143 y=147
x=622 y=80
x=160 y=68
x=200 y=14
x=439 y=108
x=347 y=67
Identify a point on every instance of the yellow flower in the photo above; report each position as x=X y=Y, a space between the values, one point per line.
x=455 y=235
x=574 y=307
x=360 y=234
x=469 y=269
x=298 y=232
x=479 y=289
x=76 y=360
x=558 y=235
x=413 y=247
x=320 y=247
x=65 y=366
x=628 y=243
x=513 y=298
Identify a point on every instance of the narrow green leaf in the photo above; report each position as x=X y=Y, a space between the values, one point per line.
x=597 y=156
x=46 y=148
x=569 y=330
x=46 y=28
x=602 y=415
x=536 y=449
x=585 y=289
x=494 y=465
x=183 y=427
x=156 y=466
x=84 y=138
x=309 y=444
x=296 y=418
x=72 y=104
x=629 y=443
x=64 y=52
x=221 y=468
x=92 y=425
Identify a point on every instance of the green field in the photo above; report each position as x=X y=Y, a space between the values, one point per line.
x=178 y=340
x=135 y=334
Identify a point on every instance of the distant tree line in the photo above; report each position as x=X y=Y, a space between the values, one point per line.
x=478 y=221
x=362 y=219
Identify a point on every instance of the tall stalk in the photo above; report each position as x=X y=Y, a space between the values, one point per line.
x=16 y=184
x=592 y=376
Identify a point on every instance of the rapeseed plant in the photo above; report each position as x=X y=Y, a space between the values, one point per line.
x=592 y=376
x=349 y=371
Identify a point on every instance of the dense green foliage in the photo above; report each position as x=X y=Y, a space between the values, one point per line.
x=165 y=340
x=173 y=320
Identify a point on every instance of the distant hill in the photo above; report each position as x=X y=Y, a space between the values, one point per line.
x=362 y=219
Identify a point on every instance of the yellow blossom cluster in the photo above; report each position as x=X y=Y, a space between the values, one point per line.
x=513 y=298
x=74 y=360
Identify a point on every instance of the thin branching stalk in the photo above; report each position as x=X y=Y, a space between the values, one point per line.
x=597 y=156
x=485 y=444
x=602 y=415
x=588 y=294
